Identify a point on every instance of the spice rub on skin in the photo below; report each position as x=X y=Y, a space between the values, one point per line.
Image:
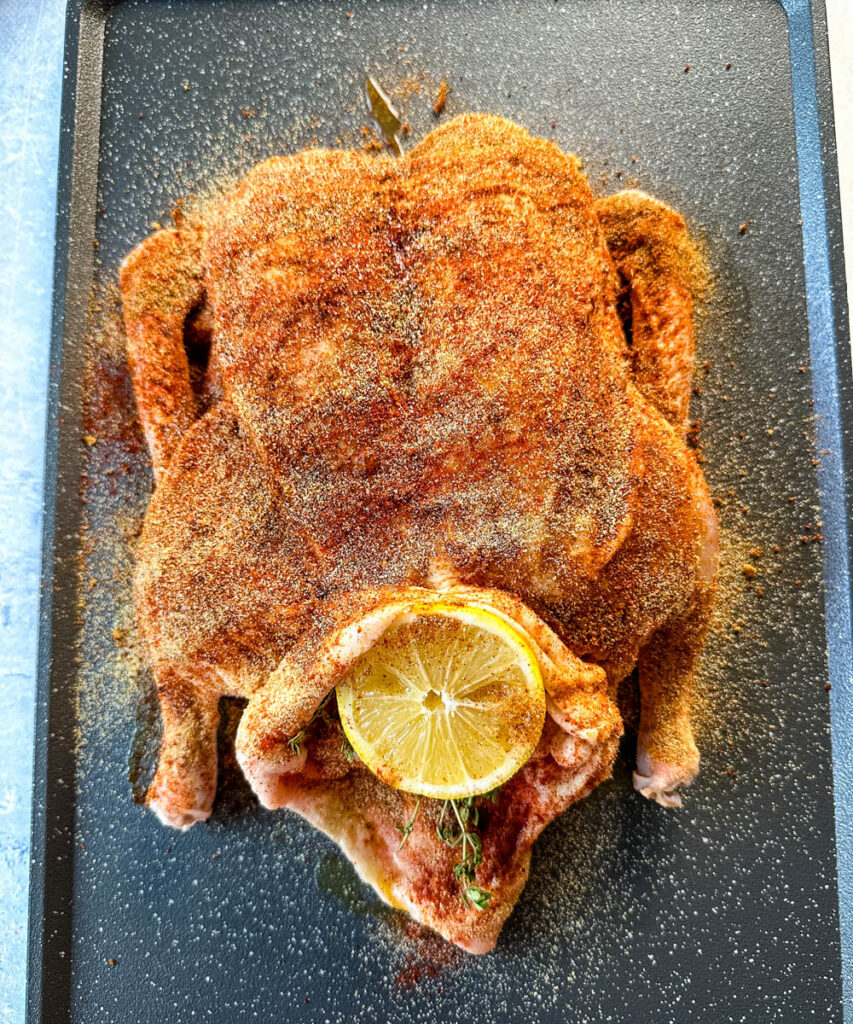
x=426 y=389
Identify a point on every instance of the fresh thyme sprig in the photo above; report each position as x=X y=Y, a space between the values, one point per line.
x=406 y=830
x=467 y=817
x=295 y=742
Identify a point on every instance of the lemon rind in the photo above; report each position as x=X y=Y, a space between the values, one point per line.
x=490 y=621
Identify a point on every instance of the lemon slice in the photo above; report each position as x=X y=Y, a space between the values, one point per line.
x=449 y=703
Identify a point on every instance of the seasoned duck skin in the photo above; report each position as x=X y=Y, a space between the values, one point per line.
x=427 y=393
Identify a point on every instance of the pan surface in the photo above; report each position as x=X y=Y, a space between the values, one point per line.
x=723 y=911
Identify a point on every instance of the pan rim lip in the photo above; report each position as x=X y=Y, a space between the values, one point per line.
x=832 y=391
x=827 y=308
x=48 y=979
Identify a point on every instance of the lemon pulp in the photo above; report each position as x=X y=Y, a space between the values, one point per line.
x=449 y=703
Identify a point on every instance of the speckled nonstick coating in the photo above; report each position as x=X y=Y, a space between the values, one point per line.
x=723 y=911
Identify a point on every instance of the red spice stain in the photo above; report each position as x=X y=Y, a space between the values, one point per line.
x=410 y=975
x=429 y=957
x=110 y=408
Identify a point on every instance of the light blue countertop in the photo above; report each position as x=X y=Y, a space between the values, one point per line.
x=31 y=42
x=31 y=47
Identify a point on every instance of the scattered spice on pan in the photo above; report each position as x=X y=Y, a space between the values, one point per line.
x=693 y=434
x=410 y=85
x=410 y=975
x=441 y=99
x=371 y=143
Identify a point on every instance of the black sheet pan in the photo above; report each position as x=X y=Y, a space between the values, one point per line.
x=724 y=911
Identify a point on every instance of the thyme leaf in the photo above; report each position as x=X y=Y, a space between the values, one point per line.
x=456 y=831
x=406 y=830
x=295 y=743
x=384 y=114
x=467 y=817
x=477 y=897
